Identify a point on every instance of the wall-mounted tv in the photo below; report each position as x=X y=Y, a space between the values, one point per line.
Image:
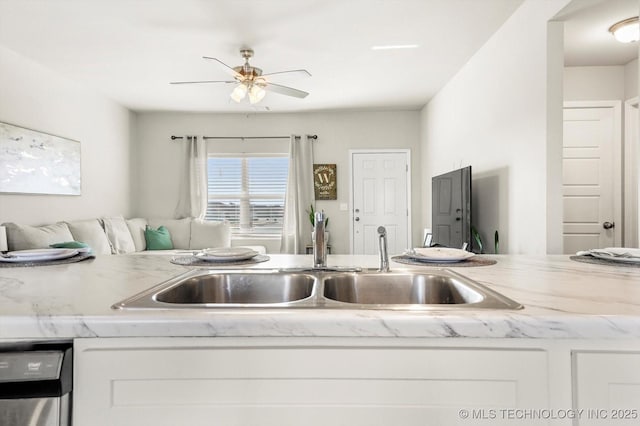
x=451 y=208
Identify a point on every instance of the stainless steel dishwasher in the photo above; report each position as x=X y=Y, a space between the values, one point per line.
x=35 y=384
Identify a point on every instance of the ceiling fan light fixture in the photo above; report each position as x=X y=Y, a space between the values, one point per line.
x=626 y=31
x=249 y=80
x=256 y=94
x=239 y=92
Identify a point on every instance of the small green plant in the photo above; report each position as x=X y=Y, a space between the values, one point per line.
x=312 y=217
x=477 y=239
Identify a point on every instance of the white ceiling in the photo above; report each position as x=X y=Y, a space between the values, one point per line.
x=586 y=31
x=131 y=49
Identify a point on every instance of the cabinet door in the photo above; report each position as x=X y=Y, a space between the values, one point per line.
x=606 y=387
x=280 y=386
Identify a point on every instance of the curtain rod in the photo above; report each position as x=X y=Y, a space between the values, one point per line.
x=314 y=137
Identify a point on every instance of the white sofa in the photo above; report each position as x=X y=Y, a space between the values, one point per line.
x=117 y=235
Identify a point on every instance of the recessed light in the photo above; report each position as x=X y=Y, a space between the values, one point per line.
x=395 y=46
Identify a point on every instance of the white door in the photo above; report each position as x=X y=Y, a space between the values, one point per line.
x=380 y=189
x=589 y=178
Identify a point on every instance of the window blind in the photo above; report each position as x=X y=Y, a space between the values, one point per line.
x=247 y=191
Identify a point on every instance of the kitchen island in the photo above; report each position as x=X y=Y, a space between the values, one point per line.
x=571 y=356
x=562 y=299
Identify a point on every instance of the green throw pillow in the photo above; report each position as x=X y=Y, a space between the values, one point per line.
x=158 y=239
x=78 y=245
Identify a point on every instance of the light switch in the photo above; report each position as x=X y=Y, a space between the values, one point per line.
x=344 y=207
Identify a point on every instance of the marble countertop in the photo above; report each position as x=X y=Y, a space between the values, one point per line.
x=562 y=299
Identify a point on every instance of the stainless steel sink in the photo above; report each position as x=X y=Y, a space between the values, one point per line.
x=403 y=290
x=206 y=288
x=418 y=290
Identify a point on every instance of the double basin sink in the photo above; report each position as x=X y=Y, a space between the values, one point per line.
x=403 y=290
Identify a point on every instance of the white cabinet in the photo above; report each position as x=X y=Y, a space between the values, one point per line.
x=606 y=387
x=280 y=382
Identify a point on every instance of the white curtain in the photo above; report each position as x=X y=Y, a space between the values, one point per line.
x=192 y=199
x=296 y=228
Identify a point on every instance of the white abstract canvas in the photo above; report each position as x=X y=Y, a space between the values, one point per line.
x=37 y=163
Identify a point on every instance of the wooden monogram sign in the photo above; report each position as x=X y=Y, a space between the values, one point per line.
x=325 y=182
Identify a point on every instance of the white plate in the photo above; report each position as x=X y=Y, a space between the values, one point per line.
x=226 y=254
x=610 y=253
x=624 y=250
x=438 y=254
x=38 y=255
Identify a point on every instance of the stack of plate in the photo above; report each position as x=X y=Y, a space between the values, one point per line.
x=37 y=255
x=226 y=254
x=438 y=254
x=614 y=254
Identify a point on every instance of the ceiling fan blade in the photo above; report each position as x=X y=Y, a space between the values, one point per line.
x=299 y=73
x=284 y=90
x=202 y=81
x=226 y=68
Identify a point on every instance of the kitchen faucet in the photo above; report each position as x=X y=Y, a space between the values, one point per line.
x=319 y=242
x=382 y=245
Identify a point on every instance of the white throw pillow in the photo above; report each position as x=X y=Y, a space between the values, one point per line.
x=91 y=233
x=136 y=228
x=25 y=237
x=179 y=230
x=119 y=236
x=206 y=234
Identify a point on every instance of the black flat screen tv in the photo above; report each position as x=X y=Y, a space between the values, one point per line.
x=451 y=209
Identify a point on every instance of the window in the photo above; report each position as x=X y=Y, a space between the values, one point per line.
x=247 y=191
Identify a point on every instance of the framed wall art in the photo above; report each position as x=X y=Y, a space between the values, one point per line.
x=33 y=162
x=325 y=182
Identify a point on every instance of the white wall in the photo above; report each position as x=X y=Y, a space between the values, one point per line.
x=631 y=79
x=156 y=179
x=601 y=83
x=37 y=98
x=493 y=116
x=592 y=83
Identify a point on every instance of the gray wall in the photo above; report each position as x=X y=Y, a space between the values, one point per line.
x=157 y=157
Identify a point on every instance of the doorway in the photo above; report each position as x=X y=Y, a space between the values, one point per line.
x=380 y=194
x=597 y=69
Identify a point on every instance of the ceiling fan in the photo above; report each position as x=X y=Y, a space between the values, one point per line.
x=250 y=81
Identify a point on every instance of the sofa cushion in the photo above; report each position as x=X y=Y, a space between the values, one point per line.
x=136 y=228
x=179 y=229
x=118 y=234
x=25 y=237
x=205 y=234
x=158 y=239
x=91 y=233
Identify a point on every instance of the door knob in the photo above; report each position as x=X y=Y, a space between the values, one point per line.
x=609 y=225
x=357 y=219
